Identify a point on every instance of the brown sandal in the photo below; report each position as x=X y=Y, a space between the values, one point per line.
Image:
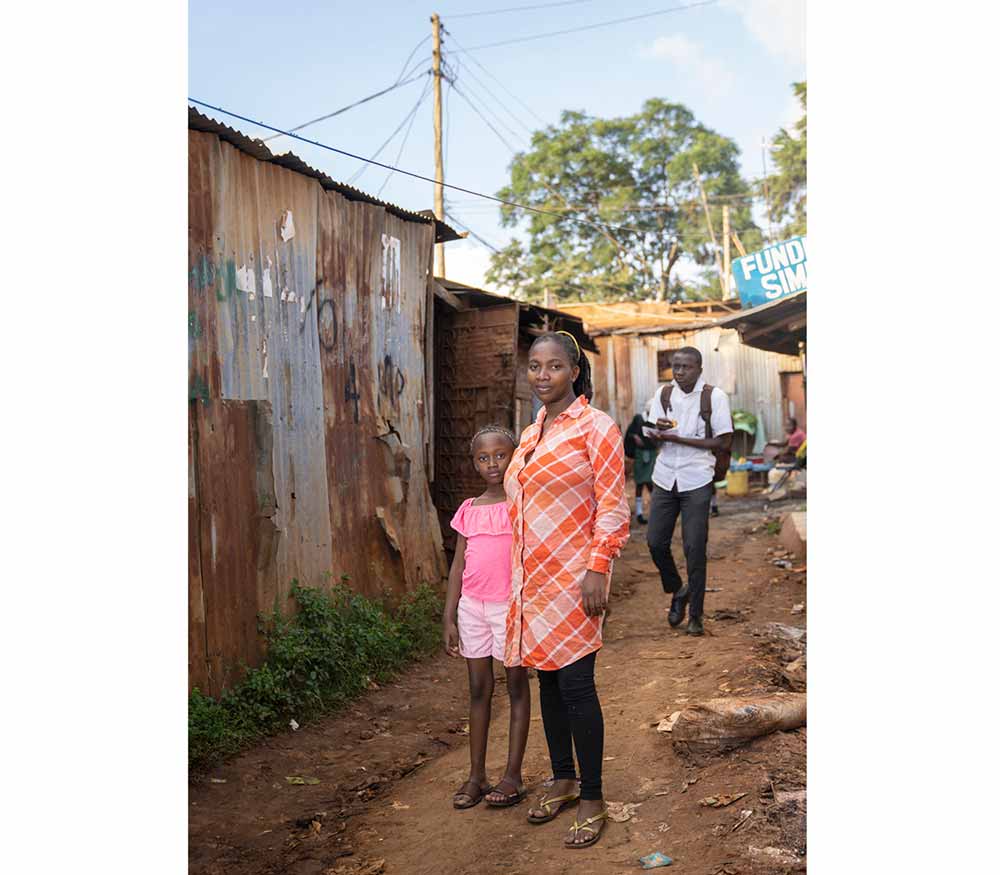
x=508 y=799
x=474 y=799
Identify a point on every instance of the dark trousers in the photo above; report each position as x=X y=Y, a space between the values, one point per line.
x=693 y=507
x=571 y=715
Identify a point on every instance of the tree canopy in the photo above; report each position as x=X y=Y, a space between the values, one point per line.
x=636 y=173
x=787 y=186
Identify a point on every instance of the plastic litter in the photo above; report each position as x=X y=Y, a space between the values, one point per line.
x=655 y=860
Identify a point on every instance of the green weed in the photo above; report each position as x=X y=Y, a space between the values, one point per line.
x=323 y=656
x=773 y=527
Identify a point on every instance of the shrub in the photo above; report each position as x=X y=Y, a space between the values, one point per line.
x=323 y=656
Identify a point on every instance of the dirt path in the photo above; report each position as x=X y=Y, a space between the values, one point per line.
x=387 y=767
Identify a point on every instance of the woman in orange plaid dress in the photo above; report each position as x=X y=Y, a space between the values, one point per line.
x=566 y=490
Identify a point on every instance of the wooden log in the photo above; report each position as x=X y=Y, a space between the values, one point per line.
x=723 y=724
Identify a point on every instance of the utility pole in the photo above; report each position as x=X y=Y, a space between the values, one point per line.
x=438 y=159
x=711 y=230
x=726 y=264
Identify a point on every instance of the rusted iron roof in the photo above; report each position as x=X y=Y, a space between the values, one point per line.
x=443 y=233
x=532 y=315
x=778 y=326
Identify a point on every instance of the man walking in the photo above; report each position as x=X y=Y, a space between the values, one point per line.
x=683 y=479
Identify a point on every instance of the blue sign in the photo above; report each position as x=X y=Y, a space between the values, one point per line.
x=771 y=273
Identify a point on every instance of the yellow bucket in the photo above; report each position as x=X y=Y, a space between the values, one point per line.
x=737 y=483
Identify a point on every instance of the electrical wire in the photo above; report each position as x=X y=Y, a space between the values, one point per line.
x=344 y=109
x=410 y=173
x=449 y=214
x=538 y=36
x=406 y=136
x=516 y=9
x=489 y=124
x=409 y=58
x=479 y=64
x=408 y=117
x=482 y=105
x=502 y=105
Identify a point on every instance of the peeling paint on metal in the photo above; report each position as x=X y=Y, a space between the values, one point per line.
x=267 y=291
x=345 y=372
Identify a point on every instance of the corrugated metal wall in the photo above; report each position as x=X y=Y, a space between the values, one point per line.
x=312 y=325
x=751 y=377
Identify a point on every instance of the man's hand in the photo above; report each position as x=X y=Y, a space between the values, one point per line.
x=594 y=590
x=451 y=637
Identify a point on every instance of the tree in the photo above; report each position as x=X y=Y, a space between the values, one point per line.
x=787 y=187
x=634 y=173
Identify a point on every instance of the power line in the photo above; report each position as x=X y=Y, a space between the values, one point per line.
x=406 y=136
x=517 y=9
x=420 y=176
x=517 y=135
x=499 y=102
x=410 y=56
x=538 y=36
x=408 y=117
x=472 y=233
x=497 y=80
x=475 y=108
x=343 y=109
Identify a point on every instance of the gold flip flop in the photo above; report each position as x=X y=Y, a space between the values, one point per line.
x=564 y=801
x=596 y=833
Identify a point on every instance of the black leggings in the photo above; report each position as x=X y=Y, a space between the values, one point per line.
x=571 y=715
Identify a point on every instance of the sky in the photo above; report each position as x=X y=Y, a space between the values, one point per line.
x=732 y=62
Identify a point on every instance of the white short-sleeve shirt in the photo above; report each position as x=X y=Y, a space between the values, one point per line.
x=688 y=467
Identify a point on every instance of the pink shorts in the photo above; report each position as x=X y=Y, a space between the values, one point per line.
x=482 y=628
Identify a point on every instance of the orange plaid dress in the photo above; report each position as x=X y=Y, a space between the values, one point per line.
x=569 y=514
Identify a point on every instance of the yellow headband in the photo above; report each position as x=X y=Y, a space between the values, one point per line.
x=577 y=345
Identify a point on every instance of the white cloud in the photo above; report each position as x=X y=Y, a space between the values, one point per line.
x=780 y=25
x=691 y=59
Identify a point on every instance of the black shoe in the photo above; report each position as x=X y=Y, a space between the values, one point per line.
x=715 y=511
x=640 y=519
x=678 y=605
x=695 y=627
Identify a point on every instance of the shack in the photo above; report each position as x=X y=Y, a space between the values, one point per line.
x=480 y=366
x=636 y=357
x=310 y=315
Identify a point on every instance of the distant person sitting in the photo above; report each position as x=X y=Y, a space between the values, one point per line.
x=795 y=437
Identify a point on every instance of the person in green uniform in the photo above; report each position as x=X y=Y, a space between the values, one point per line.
x=642 y=451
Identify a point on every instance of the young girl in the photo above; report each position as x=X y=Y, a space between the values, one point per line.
x=475 y=615
x=566 y=487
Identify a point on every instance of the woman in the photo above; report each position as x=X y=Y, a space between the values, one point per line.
x=566 y=490
x=642 y=450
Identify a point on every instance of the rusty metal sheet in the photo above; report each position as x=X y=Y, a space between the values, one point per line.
x=232 y=481
x=372 y=332
x=623 y=405
x=258 y=149
x=264 y=346
x=321 y=327
x=602 y=375
x=476 y=359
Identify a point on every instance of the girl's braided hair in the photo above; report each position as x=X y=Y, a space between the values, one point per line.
x=582 y=385
x=492 y=429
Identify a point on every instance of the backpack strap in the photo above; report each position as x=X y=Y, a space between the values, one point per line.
x=665 y=394
x=706 y=409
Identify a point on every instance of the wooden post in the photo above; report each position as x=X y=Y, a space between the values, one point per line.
x=438 y=159
x=711 y=230
x=726 y=264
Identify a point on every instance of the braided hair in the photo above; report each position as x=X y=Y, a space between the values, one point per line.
x=492 y=429
x=582 y=385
